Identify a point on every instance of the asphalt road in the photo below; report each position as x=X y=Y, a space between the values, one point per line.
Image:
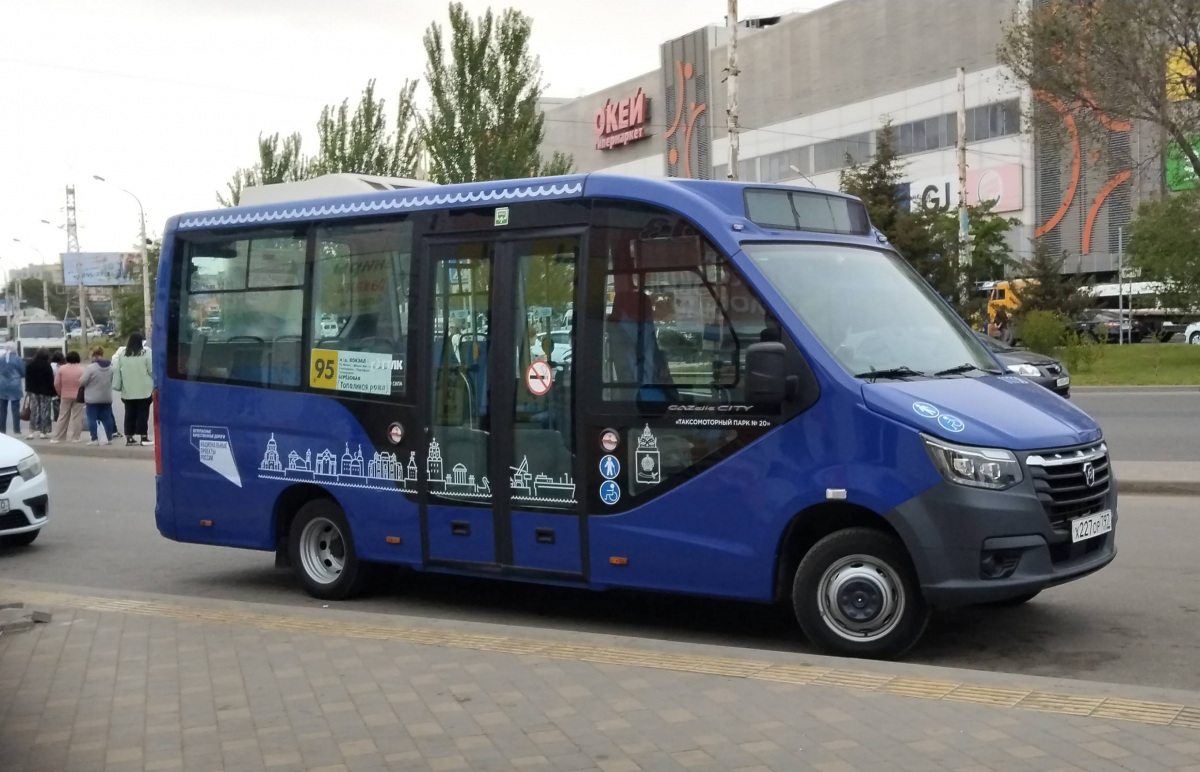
x=1144 y=424
x=1134 y=622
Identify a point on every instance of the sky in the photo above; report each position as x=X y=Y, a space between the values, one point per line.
x=166 y=98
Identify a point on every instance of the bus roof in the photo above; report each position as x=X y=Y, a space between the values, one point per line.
x=719 y=208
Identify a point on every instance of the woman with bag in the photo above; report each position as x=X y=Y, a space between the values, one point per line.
x=40 y=394
x=12 y=373
x=95 y=390
x=134 y=378
x=66 y=383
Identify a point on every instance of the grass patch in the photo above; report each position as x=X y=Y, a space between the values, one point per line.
x=1143 y=364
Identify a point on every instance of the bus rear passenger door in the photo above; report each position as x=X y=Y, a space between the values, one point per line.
x=544 y=493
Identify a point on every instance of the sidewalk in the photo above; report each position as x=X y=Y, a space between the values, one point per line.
x=158 y=684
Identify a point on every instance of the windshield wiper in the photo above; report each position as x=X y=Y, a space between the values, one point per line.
x=965 y=368
x=904 y=371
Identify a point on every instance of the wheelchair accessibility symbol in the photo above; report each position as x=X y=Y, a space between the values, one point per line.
x=610 y=492
x=951 y=423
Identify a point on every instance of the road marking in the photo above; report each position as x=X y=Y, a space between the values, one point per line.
x=1094 y=706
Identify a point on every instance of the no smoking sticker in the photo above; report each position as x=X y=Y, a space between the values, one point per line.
x=538 y=378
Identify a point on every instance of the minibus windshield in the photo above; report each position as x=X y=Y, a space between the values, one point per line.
x=871 y=311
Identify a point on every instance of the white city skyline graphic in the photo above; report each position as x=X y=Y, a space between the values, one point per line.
x=385 y=472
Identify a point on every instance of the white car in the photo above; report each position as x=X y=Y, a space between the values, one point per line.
x=24 y=493
x=1192 y=334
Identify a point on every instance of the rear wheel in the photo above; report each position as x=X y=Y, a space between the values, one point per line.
x=856 y=593
x=1195 y=339
x=19 y=539
x=322 y=552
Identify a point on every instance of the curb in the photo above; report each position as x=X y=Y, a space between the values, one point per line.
x=1116 y=388
x=95 y=451
x=1159 y=487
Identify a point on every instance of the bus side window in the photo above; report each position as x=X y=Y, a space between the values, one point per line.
x=361 y=291
x=244 y=303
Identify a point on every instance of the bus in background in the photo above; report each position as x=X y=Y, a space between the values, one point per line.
x=33 y=329
x=770 y=404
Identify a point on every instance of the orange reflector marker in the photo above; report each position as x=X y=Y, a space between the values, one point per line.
x=206 y=523
x=616 y=561
x=393 y=539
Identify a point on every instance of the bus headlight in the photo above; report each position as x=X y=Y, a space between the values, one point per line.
x=29 y=467
x=991 y=468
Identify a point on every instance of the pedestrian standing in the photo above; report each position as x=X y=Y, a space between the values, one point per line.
x=56 y=361
x=66 y=383
x=96 y=387
x=39 y=389
x=12 y=373
x=134 y=378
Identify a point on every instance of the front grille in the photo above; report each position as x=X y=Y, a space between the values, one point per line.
x=6 y=477
x=1060 y=481
x=14 y=519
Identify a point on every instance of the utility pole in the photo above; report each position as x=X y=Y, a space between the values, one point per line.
x=731 y=109
x=1121 y=286
x=73 y=247
x=964 y=225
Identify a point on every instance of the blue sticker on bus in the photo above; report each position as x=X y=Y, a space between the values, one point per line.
x=610 y=492
x=951 y=423
x=610 y=467
x=926 y=410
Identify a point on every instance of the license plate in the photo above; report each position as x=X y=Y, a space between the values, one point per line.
x=1063 y=382
x=3 y=506
x=1092 y=525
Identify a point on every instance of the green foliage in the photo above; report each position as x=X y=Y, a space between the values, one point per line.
x=1080 y=352
x=276 y=163
x=128 y=310
x=1047 y=288
x=1109 y=61
x=929 y=239
x=484 y=122
x=362 y=142
x=1163 y=244
x=1042 y=331
x=1148 y=364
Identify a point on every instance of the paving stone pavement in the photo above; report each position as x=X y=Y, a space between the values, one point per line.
x=115 y=691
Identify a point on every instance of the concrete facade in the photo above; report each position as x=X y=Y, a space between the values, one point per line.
x=815 y=86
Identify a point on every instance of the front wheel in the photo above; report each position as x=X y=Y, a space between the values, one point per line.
x=322 y=552
x=1195 y=339
x=856 y=593
x=19 y=539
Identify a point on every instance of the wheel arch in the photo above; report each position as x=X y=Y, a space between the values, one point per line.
x=287 y=504
x=814 y=523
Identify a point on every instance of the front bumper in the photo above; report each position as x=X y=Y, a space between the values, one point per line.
x=29 y=505
x=950 y=529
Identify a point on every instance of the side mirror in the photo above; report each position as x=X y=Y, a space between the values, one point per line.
x=766 y=378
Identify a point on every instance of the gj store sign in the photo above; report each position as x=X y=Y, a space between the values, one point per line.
x=619 y=123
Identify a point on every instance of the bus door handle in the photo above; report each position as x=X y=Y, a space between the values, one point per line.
x=543 y=535
x=460 y=528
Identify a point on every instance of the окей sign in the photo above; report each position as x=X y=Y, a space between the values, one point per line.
x=619 y=123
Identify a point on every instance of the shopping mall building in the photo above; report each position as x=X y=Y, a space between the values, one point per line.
x=816 y=87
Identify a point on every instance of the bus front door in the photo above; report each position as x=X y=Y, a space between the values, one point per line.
x=501 y=472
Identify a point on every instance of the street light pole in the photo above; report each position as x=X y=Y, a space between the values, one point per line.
x=145 y=260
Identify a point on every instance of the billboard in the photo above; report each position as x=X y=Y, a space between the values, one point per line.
x=1180 y=174
x=100 y=269
x=999 y=184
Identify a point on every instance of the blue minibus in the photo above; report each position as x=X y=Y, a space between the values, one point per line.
x=725 y=389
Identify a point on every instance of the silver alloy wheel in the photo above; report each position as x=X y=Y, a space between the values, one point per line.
x=861 y=598
x=322 y=550
x=1195 y=339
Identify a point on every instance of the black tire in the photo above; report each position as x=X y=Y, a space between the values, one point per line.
x=19 y=539
x=1020 y=600
x=327 y=519
x=888 y=566
x=1195 y=339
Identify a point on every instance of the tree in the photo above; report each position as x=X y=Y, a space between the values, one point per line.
x=1112 y=62
x=1047 y=288
x=276 y=163
x=362 y=143
x=484 y=122
x=128 y=309
x=1163 y=241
